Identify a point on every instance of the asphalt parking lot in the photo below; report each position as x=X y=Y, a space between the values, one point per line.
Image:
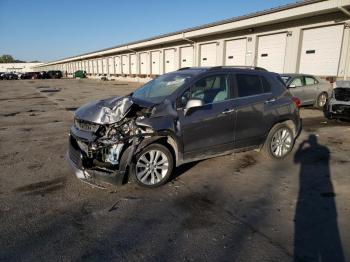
x=239 y=207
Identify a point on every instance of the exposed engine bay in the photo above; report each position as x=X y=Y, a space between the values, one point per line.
x=342 y=94
x=338 y=105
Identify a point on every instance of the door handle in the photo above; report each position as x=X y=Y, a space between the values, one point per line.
x=270 y=100
x=228 y=111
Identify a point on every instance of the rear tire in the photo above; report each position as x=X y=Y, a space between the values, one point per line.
x=153 y=166
x=279 y=142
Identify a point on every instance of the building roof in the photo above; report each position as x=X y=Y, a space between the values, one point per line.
x=205 y=26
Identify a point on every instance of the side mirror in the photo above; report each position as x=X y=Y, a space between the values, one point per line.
x=292 y=86
x=192 y=103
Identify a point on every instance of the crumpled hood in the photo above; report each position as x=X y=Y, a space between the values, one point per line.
x=106 y=111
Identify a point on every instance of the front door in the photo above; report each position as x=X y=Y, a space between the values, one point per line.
x=209 y=129
x=296 y=87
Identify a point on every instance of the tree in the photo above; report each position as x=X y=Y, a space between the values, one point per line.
x=6 y=59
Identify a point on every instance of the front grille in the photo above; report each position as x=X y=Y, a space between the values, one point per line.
x=74 y=152
x=85 y=125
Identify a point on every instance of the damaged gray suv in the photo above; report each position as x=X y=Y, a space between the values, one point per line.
x=180 y=117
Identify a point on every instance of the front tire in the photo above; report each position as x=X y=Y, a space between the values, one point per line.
x=279 y=142
x=321 y=100
x=153 y=166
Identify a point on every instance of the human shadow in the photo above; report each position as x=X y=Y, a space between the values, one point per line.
x=316 y=235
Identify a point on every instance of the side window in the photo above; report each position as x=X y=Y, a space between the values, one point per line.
x=211 y=89
x=248 y=85
x=266 y=85
x=298 y=81
x=310 y=80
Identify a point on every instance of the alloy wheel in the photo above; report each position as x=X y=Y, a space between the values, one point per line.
x=281 y=142
x=152 y=167
x=322 y=100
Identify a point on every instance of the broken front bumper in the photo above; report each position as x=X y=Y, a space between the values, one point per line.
x=91 y=176
x=338 y=111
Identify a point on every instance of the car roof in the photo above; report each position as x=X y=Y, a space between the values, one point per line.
x=296 y=74
x=241 y=69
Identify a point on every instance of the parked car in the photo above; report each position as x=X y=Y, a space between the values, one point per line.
x=31 y=75
x=19 y=74
x=1 y=73
x=311 y=90
x=44 y=75
x=179 y=117
x=9 y=76
x=54 y=74
x=338 y=106
x=79 y=74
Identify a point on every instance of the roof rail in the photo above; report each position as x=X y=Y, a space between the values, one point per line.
x=184 y=68
x=239 y=67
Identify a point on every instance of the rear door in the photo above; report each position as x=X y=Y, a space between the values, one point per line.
x=310 y=89
x=250 y=105
x=208 y=130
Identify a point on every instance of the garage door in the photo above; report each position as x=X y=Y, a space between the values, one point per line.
x=186 y=56
x=272 y=51
x=235 y=52
x=91 y=66
x=133 y=64
x=111 y=65
x=155 y=63
x=125 y=64
x=105 y=66
x=208 y=54
x=95 y=66
x=320 y=51
x=100 y=66
x=169 y=60
x=144 y=64
x=117 y=65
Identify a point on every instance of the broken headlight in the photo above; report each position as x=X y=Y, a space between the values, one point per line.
x=85 y=125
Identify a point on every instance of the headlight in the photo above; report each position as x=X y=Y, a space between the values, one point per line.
x=85 y=125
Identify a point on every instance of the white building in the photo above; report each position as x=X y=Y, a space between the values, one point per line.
x=18 y=67
x=306 y=37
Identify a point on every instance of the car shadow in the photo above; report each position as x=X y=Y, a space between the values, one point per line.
x=180 y=170
x=316 y=233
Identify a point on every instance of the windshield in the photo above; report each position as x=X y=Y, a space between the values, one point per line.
x=285 y=79
x=158 y=89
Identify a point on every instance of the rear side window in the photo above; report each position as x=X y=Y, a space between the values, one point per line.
x=249 y=85
x=310 y=80
x=266 y=85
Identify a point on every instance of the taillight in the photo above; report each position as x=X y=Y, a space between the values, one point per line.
x=296 y=101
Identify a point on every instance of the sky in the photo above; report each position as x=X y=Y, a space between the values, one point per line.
x=48 y=30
